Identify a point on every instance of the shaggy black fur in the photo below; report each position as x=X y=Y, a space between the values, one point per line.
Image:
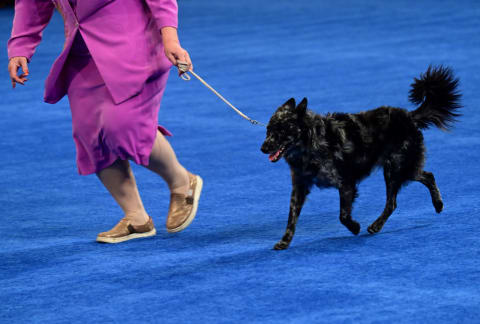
x=339 y=150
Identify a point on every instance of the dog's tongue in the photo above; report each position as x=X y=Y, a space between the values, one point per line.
x=274 y=156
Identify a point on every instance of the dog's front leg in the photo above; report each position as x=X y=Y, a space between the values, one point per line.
x=347 y=196
x=299 y=193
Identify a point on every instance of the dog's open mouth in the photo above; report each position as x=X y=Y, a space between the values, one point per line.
x=274 y=157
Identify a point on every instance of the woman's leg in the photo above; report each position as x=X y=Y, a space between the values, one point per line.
x=185 y=187
x=120 y=182
x=163 y=161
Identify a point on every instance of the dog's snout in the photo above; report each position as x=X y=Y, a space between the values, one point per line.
x=264 y=148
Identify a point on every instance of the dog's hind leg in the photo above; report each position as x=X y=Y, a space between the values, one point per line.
x=347 y=196
x=428 y=180
x=299 y=194
x=393 y=184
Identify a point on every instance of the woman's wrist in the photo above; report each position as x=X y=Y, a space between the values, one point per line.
x=170 y=35
x=173 y=50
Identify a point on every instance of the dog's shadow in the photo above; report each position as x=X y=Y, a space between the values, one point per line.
x=259 y=254
x=348 y=242
x=269 y=233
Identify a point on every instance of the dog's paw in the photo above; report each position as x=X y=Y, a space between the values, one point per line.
x=438 y=206
x=372 y=229
x=354 y=227
x=281 y=245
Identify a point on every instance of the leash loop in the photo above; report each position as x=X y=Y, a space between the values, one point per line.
x=185 y=76
x=183 y=67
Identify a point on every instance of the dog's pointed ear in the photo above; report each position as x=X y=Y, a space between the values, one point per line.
x=302 y=107
x=290 y=103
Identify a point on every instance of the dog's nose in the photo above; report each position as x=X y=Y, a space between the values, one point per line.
x=264 y=148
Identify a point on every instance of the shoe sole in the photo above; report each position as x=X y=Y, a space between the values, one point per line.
x=192 y=215
x=126 y=238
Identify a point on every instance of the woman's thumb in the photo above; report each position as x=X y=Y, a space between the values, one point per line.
x=24 y=64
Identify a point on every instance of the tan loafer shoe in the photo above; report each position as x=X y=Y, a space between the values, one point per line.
x=183 y=208
x=125 y=231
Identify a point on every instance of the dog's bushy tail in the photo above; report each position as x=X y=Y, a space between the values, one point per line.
x=439 y=99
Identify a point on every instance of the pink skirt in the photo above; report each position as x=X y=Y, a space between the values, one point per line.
x=102 y=130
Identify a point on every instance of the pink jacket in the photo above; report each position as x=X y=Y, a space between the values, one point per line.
x=123 y=37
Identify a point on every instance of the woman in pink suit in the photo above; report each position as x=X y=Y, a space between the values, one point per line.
x=113 y=68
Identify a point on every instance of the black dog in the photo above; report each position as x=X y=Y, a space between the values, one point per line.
x=339 y=150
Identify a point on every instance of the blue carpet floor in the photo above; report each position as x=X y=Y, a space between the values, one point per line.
x=343 y=55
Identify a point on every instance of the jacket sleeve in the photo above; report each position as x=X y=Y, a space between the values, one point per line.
x=165 y=12
x=31 y=18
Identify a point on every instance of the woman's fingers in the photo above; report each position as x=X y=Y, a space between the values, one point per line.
x=24 y=64
x=175 y=53
x=23 y=77
x=13 y=67
x=171 y=57
x=188 y=60
x=12 y=75
x=185 y=59
x=18 y=79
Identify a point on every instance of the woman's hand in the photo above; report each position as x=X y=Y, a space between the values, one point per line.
x=173 y=50
x=14 y=65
